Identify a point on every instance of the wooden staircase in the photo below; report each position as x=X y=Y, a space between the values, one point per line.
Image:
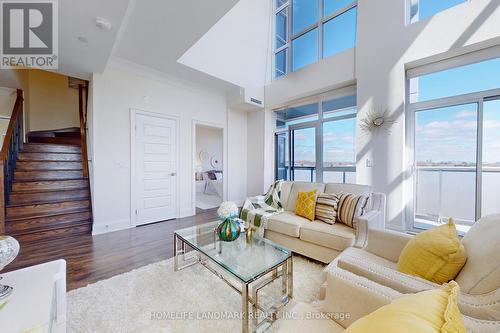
x=44 y=184
x=50 y=198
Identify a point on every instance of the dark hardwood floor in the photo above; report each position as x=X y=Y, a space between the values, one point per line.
x=93 y=258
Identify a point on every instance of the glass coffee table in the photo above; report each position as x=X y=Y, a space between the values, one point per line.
x=246 y=265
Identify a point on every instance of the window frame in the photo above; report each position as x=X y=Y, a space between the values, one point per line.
x=413 y=11
x=291 y=36
x=411 y=110
x=318 y=125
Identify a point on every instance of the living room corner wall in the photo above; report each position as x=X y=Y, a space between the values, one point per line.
x=256 y=157
x=381 y=77
x=118 y=90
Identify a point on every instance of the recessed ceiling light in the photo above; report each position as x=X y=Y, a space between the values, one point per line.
x=83 y=39
x=102 y=23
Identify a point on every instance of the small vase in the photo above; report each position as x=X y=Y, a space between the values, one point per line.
x=229 y=230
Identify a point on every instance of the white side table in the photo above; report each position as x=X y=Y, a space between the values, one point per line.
x=38 y=302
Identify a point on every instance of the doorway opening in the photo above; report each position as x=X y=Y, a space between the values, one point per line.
x=209 y=166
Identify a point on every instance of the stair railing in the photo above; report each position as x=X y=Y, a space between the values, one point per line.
x=82 y=105
x=12 y=145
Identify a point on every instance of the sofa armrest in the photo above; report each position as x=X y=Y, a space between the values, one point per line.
x=387 y=244
x=378 y=202
x=370 y=220
x=474 y=325
x=350 y=297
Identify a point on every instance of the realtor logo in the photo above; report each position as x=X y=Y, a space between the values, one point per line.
x=29 y=34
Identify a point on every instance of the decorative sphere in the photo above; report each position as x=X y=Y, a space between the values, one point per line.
x=9 y=249
x=229 y=230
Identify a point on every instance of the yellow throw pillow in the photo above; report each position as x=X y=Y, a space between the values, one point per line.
x=425 y=312
x=306 y=203
x=436 y=255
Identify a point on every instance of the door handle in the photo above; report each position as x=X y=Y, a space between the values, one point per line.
x=173 y=174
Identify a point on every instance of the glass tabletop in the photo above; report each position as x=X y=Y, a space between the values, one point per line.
x=246 y=260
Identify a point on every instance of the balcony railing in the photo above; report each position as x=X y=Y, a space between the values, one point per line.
x=444 y=192
x=308 y=174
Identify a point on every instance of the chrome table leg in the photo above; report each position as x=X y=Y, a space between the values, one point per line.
x=244 y=302
x=176 y=258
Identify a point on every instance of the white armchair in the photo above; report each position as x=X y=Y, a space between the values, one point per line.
x=348 y=298
x=479 y=279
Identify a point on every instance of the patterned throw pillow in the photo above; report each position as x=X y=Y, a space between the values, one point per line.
x=306 y=202
x=350 y=207
x=326 y=207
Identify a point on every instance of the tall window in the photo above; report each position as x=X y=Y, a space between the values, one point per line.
x=422 y=9
x=307 y=30
x=455 y=130
x=316 y=141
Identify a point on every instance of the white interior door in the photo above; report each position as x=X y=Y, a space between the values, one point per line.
x=155 y=168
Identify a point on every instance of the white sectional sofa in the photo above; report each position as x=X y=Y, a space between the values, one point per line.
x=316 y=239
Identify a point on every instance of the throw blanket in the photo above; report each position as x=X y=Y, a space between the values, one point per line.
x=257 y=210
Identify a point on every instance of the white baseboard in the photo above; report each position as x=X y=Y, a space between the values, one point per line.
x=104 y=227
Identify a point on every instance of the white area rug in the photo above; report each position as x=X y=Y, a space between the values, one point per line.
x=205 y=201
x=124 y=303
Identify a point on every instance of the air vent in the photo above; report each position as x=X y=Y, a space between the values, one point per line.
x=256 y=101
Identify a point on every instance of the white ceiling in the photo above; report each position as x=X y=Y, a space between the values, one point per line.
x=77 y=18
x=159 y=32
x=149 y=33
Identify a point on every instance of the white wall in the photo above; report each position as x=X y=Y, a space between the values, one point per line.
x=235 y=49
x=386 y=47
x=237 y=163
x=114 y=93
x=256 y=158
x=210 y=140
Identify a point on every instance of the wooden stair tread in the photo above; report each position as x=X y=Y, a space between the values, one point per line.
x=60 y=233
x=27 y=211
x=47 y=175
x=50 y=157
x=51 y=148
x=49 y=185
x=49 y=223
x=22 y=198
x=30 y=230
x=48 y=165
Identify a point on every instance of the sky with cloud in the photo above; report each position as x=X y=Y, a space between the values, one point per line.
x=450 y=134
x=338 y=143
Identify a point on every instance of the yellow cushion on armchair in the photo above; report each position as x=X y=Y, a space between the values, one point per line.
x=436 y=255
x=430 y=311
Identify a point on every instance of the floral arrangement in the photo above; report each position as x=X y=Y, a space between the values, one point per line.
x=227 y=210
